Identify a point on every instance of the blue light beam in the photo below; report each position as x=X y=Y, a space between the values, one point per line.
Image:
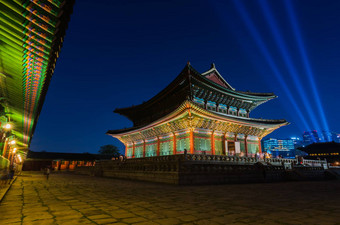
x=298 y=37
x=282 y=46
x=265 y=52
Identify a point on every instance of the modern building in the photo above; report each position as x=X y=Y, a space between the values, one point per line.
x=200 y=113
x=297 y=142
x=275 y=147
x=335 y=137
x=310 y=137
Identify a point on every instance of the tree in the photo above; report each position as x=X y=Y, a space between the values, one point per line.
x=109 y=150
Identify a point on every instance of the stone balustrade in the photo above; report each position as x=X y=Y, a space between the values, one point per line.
x=222 y=158
x=202 y=169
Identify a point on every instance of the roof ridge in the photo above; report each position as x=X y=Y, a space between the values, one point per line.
x=214 y=69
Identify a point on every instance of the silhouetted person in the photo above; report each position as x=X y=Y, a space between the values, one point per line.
x=47 y=173
x=10 y=175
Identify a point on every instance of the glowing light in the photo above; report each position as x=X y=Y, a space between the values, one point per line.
x=19 y=157
x=265 y=52
x=8 y=126
x=282 y=46
x=12 y=142
x=305 y=60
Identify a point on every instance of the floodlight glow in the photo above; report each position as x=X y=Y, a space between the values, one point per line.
x=282 y=46
x=265 y=52
x=298 y=37
x=12 y=142
x=8 y=126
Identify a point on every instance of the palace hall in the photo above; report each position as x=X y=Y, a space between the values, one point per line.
x=197 y=113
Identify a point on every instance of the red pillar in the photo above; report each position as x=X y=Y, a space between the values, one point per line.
x=10 y=156
x=191 y=141
x=5 y=148
x=133 y=150
x=126 y=149
x=144 y=146
x=213 y=143
x=158 y=146
x=260 y=148
x=174 y=144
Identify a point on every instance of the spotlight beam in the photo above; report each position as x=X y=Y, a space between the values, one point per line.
x=308 y=68
x=282 y=46
x=265 y=52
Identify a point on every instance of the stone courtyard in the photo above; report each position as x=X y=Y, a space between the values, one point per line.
x=76 y=199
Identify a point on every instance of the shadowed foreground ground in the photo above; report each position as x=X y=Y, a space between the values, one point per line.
x=75 y=199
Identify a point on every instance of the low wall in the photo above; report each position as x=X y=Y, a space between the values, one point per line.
x=203 y=169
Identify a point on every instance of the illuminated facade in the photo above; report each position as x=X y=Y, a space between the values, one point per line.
x=276 y=148
x=199 y=113
x=31 y=36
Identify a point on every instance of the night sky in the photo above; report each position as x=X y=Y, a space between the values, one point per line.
x=121 y=53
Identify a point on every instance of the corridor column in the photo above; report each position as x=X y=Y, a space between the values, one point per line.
x=158 y=145
x=174 y=144
x=260 y=148
x=133 y=149
x=191 y=137
x=213 y=142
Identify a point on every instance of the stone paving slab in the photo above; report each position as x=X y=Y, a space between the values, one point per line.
x=5 y=187
x=73 y=199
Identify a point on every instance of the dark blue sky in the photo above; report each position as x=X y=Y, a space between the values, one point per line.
x=120 y=53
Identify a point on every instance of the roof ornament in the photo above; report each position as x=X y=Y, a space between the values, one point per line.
x=212 y=66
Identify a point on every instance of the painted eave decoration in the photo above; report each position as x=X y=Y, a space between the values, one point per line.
x=31 y=36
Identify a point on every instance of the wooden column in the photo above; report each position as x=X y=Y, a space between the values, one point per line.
x=191 y=141
x=5 y=148
x=238 y=112
x=246 y=144
x=144 y=146
x=133 y=150
x=126 y=149
x=174 y=144
x=247 y=113
x=10 y=155
x=158 y=146
x=213 y=142
x=260 y=148
x=223 y=144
